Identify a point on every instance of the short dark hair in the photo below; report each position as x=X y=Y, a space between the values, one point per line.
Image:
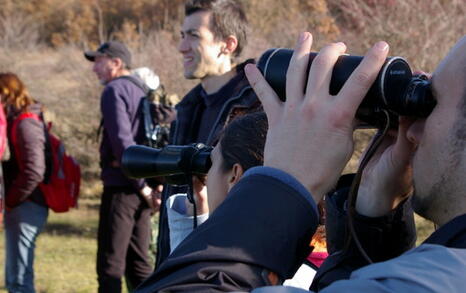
x=243 y=141
x=228 y=18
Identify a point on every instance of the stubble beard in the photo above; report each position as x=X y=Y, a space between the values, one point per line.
x=437 y=201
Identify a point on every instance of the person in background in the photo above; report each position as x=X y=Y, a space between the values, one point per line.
x=3 y=147
x=213 y=36
x=124 y=219
x=26 y=211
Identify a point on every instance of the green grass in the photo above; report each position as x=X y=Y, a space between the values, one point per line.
x=66 y=250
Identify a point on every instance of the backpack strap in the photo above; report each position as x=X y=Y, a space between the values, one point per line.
x=14 y=141
x=149 y=128
x=18 y=119
x=137 y=82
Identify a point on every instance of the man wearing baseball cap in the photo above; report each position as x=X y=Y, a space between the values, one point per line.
x=127 y=204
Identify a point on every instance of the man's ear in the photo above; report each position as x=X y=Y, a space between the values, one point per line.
x=235 y=175
x=118 y=63
x=230 y=45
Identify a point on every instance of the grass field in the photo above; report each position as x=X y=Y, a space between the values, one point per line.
x=66 y=250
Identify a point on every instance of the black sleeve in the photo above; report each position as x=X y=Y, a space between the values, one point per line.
x=382 y=238
x=263 y=226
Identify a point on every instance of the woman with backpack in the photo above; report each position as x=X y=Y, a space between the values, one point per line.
x=25 y=209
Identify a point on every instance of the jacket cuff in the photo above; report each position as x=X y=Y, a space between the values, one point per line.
x=382 y=237
x=285 y=178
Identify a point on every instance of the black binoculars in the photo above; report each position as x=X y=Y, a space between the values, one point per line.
x=144 y=162
x=395 y=89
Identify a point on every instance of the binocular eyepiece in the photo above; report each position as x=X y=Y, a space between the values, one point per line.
x=395 y=89
x=144 y=162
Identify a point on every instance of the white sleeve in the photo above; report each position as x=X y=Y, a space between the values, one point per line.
x=180 y=224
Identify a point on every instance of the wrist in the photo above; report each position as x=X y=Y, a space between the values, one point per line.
x=374 y=205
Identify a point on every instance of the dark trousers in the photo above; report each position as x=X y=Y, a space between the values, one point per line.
x=123 y=239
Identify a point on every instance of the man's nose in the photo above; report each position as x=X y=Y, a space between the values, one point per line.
x=183 y=45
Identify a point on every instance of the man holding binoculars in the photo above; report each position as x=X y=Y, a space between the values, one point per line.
x=263 y=244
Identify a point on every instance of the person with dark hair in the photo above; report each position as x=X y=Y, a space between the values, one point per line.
x=240 y=147
x=424 y=159
x=124 y=220
x=213 y=35
x=26 y=210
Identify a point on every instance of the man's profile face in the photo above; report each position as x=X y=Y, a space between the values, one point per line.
x=439 y=161
x=105 y=68
x=202 y=56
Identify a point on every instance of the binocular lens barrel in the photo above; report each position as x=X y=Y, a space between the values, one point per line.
x=144 y=162
x=395 y=88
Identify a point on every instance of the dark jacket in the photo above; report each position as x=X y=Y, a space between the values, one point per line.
x=22 y=183
x=382 y=238
x=244 y=240
x=122 y=127
x=240 y=99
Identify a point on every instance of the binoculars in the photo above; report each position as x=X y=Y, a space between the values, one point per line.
x=172 y=161
x=396 y=89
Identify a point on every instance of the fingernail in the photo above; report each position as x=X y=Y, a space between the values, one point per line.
x=382 y=46
x=248 y=68
x=250 y=72
x=302 y=37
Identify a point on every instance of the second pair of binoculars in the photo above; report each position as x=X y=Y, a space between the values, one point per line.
x=396 y=91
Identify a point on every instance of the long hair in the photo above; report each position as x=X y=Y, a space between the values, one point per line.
x=13 y=93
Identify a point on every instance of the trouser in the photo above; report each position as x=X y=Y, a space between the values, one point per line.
x=123 y=239
x=22 y=226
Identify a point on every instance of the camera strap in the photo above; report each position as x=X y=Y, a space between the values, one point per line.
x=353 y=193
x=189 y=177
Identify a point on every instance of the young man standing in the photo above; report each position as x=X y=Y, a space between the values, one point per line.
x=126 y=207
x=213 y=35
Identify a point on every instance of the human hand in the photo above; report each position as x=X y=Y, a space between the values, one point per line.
x=153 y=197
x=387 y=177
x=311 y=134
x=200 y=196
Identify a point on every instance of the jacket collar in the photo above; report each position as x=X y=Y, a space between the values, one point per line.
x=452 y=234
x=193 y=97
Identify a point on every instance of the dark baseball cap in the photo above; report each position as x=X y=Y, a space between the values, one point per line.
x=113 y=49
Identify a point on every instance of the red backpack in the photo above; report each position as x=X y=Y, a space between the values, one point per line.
x=63 y=174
